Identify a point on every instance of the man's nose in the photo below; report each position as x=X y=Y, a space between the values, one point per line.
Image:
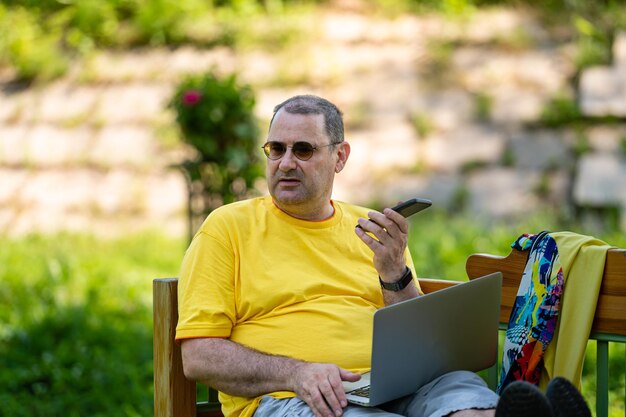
x=287 y=161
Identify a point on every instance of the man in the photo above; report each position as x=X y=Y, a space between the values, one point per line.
x=277 y=293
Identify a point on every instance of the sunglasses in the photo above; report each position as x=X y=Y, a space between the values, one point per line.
x=302 y=150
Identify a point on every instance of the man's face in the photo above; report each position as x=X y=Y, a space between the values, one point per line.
x=303 y=188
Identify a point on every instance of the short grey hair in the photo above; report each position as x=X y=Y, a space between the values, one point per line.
x=310 y=104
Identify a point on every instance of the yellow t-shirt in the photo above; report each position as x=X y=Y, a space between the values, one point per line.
x=281 y=285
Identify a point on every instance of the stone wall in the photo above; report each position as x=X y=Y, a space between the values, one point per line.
x=94 y=151
x=601 y=174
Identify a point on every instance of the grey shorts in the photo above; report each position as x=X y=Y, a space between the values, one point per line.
x=451 y=392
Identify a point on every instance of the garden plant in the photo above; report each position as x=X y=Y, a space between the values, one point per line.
x=216 y=117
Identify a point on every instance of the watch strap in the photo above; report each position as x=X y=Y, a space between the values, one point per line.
x=399 y=284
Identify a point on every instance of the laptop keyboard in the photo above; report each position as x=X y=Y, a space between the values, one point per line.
x=361 y=392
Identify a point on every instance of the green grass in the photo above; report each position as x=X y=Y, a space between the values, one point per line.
x=76 y=311
x=75 y=323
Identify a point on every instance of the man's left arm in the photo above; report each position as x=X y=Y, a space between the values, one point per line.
x=391 y=231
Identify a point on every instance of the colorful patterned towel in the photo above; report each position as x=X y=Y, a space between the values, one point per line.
x=535 y=313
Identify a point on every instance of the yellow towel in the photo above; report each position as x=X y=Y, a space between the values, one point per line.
x=582 y=258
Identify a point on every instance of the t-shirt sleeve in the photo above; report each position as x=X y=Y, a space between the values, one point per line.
x=206 y=303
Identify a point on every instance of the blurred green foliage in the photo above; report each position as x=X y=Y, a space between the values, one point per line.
x=216 y=116
x=31 y=50
x=440 y=241
x=76 y=323
x=561 y=110
x=616 y=377
x=75 y=311
x=51 y=33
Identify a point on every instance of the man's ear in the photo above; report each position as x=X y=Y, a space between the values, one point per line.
x=342 y=156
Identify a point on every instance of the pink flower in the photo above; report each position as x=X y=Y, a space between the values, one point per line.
x=191 y=97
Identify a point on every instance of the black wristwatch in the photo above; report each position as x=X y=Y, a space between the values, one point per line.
x=399 y=284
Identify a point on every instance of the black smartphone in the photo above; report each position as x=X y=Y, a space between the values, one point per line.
x=412 y=206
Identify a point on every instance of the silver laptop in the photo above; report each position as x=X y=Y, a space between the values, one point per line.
x=417 y=340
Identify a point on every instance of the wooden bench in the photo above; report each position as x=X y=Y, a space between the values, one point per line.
x=175 y=396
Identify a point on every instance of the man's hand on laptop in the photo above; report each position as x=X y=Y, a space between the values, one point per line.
x=319 y=385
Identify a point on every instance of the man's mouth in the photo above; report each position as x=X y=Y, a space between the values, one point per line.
x=288 y=181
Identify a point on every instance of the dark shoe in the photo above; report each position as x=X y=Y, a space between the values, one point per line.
x=566 y=400
x=523 y=399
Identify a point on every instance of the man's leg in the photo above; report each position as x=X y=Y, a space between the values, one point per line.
x=475 y=413
x=290 y=407
x=456 y=394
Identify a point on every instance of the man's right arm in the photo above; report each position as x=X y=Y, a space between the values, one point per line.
x=238 y=370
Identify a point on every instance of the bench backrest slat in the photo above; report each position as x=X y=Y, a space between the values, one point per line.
x=174 y=395
x=610 y=315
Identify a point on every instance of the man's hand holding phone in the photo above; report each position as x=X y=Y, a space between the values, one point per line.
x=390 y=231
x=410 y=207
